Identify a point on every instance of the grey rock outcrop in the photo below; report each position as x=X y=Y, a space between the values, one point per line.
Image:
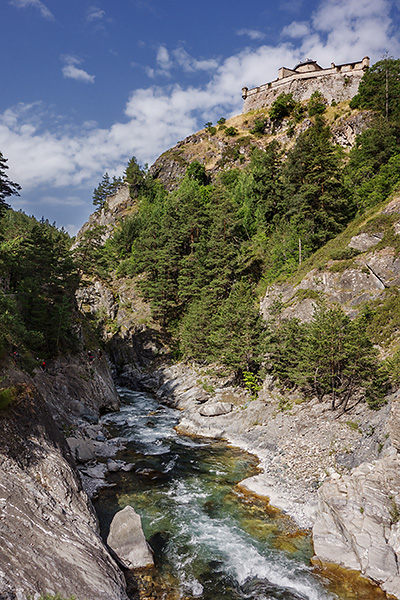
x=126 y=539
x=357 y=523
x=116 y=207
x=215 y=409
x=49 y=531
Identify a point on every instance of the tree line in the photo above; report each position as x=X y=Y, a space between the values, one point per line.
x=204 y=250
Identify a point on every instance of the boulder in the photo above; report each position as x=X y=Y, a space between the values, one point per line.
x=357 y=522
x=81 y=449
x=365 y=241
x=126 y=539
x=215 y=409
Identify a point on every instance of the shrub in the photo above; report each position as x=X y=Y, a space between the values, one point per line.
x=258 y=127
x=282 y=107
x=7 y=396
x=317 y=104
x=231 y=131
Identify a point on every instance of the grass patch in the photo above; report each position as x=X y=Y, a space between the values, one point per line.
x=384 y=317
x=341 y=266
x=7 y=397
x=354 y=426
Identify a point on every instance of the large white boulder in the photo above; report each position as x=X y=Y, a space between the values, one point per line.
x=126 y=539
x=357 y=522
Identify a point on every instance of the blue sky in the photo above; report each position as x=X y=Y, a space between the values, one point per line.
x=86 y=85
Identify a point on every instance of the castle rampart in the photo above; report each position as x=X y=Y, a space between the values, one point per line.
x=338 y=83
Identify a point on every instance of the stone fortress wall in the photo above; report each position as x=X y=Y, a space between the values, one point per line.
x=338 y=83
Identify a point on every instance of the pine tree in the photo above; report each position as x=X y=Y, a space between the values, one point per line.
x=379 y=89
x=7 y=187
x=316 y=200
x=107 y=187
x=237 y=331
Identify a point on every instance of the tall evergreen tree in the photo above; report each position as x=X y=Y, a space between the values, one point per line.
x=107 y=187
x=379 y=89
x=7 y=187
x=316 y=200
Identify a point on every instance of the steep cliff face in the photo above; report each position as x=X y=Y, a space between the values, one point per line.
x=219 y=151
x=357 y=521
x=49 y=531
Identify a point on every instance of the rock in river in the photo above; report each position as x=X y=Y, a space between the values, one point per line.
x=126 y=539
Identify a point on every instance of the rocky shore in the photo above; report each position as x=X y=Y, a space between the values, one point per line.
x=336 y=474
x=51 y=541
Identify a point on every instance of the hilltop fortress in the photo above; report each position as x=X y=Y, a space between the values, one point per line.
x=339 y=82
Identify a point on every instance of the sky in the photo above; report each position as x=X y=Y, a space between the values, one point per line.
x=87 y=84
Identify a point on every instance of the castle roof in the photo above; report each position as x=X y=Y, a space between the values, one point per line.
x=308 y=62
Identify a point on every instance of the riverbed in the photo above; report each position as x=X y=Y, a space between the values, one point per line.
x=210 y=540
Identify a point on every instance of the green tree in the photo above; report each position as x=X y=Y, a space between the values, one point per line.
x=316 y=199
x=89 y=253
x=342 y=359
x=379 y=89
x=317 y=104
x=282 y=107
x=331 y=357
x=135 y=177
x=197 y=172
x=237 y=331
x=371 y=152
x=107 y=187
x=7 y=187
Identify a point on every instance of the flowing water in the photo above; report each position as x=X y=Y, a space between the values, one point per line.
x=209 y=540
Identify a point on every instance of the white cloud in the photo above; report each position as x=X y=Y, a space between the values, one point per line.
x=163 y=60
x=42 y=8
x=297 y=29
x=157 y=117
x=190 y=64
x=350 y=29
x=71 y=71
x=95 y=13
x=253 y=34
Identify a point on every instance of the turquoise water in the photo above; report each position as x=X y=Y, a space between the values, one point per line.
x=209 y=540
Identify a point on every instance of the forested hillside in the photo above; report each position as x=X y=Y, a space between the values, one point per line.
x=205 y=252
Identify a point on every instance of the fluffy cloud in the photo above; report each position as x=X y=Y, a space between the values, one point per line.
x=190 y=64
x=71 y=71
x=351 y=28
x=253 y=34
x=297 y=29
x=42 y=8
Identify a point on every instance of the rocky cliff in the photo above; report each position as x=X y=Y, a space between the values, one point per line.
x=218 y=151
x=49 y=531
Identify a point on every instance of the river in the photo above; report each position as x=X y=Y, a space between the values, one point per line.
x=210 y=541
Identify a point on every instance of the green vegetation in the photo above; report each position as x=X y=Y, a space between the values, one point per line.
x=282 y=107
x=201 y=251
x=39 y=279
x=7 y=187
x=331 y=356
x=317 y=104
x=379 y=89
x=7 y=397
x=106 y=188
